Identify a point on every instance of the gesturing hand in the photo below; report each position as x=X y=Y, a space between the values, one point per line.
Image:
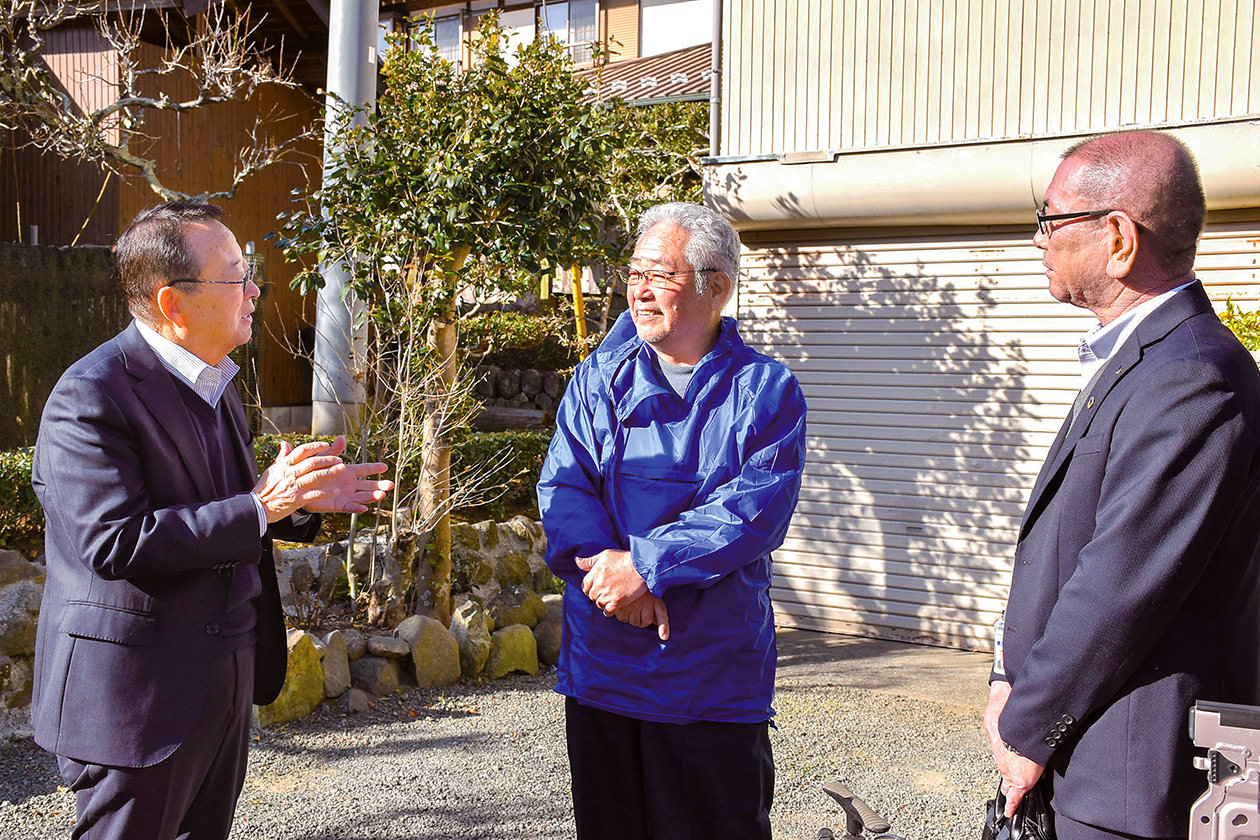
x=611 y=580
x=647 y=610
x=314 y=477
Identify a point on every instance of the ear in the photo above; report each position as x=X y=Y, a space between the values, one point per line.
x=167 y=304
x=1122 y=240
x=719 y=289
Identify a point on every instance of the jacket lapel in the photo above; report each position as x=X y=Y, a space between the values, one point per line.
x=156 y=388
x=241 y=435
x=1154 y=328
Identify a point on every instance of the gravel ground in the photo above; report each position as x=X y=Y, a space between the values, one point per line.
x=900 y=725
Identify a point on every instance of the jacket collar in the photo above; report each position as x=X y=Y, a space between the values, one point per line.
x=626 y=367
x=1190 y=301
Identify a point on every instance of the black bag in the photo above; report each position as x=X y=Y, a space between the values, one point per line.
x=1033 y=819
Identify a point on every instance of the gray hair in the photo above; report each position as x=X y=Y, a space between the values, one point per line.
x=712 y=243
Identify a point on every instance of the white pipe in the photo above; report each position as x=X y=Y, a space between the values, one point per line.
x=980 y=184
x=336 y=393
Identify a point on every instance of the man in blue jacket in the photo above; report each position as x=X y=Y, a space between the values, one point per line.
x=673 y=474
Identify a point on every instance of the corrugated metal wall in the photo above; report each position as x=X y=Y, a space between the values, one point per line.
x=937 y=369
x=805 y=75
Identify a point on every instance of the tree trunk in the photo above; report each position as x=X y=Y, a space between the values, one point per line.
x=435 y=492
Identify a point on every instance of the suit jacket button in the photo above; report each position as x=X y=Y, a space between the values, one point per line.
x=212 y=629
x=1069 y=720
x=1060 y=728
x=1051 y=742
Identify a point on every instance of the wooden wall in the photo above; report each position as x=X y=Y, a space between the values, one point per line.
x=197 y=152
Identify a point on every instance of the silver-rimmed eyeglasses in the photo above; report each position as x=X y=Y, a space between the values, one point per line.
x=666 y=280
x=251 y=274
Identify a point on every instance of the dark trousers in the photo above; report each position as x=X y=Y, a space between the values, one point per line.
x=189 y=795
x=637 y=780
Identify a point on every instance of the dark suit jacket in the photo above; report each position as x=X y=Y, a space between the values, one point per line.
x=131 y=605
x=1136 y=587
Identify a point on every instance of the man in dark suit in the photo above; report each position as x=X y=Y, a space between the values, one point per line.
x=161 y=621
x=1136 y=587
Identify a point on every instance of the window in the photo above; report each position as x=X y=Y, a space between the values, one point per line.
x=668 y=25
x=572 y=22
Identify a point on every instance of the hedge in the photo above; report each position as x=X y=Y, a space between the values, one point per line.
x=21 y=516
x=20 y=513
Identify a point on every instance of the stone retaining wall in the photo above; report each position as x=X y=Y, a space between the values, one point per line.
x=506 y=619
x=514 y=388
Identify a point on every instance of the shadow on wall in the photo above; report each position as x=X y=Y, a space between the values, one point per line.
x=922 y=433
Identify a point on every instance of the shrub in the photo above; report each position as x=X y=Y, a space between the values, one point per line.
x=1245 y=325
x=519 y=340
x=519 y=455
x=20 y=513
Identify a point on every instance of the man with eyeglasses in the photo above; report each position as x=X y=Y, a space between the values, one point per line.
x=672 y=475
x=160 y=624
x=1136 y=586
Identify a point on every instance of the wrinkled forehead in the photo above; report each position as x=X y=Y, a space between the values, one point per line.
x=663 y=245
x=1063 y=192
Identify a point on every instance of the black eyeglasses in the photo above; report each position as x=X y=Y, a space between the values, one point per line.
x=1044 y=218
x=656 y=279
x=251 y=273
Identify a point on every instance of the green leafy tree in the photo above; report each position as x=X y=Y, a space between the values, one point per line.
x=465 y=183
x=1245 y=325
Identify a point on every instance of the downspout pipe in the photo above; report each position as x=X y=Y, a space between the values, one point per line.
x=715 y=82
x=337 y=394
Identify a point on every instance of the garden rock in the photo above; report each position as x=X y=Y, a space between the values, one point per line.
x=354 y=701
x=507 y=383
x=21 y=588
x=513 y=569
x=553 y=384
x=336 y=665
x=434 y=651
x=531 y=383
x=303 y=685
x=15 y=567
x=375 y=674
x=517 y=605
x=388 y=647
x=356 y=643
x=472 y=634
x=512 y=649
x=548 y=631
x=484 y=384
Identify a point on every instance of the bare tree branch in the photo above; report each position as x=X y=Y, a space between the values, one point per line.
x=217 y=57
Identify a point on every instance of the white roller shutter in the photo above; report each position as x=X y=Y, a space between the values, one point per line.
x=937 y=369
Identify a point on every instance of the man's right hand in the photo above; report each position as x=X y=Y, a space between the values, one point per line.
x=314 y=477
x=645 y=611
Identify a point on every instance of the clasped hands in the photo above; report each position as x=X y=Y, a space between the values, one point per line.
x=314 y=477
x=616 y=587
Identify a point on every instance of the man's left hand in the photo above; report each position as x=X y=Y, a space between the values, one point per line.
x=611 y=581
x=1019 y=774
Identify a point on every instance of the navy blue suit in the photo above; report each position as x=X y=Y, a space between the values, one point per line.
x=133 y=602
x=1136 y=587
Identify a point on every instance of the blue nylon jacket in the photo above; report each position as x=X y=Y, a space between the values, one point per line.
x=700 y=490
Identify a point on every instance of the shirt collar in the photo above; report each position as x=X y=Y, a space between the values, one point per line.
x=1100 y=344
x=207 y=381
